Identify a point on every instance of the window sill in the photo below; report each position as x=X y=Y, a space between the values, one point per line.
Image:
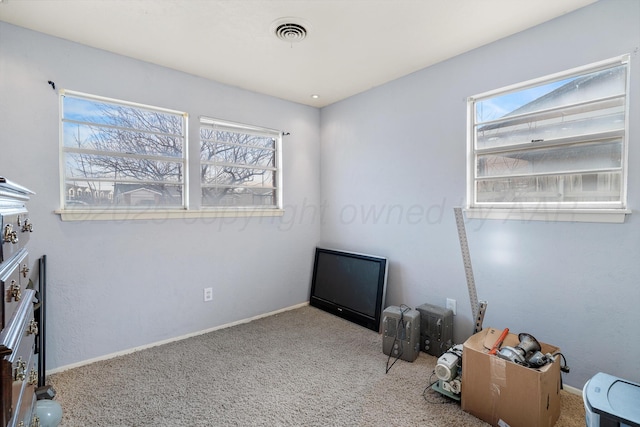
x=614 y=216
x=160 y=215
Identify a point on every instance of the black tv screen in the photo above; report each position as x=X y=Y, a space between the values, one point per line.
x=349 y=285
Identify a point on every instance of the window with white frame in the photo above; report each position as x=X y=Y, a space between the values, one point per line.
x=555 y=144
x=121 y=155
x=240 y=165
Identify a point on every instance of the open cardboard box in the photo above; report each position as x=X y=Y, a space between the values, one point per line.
x=504 y=393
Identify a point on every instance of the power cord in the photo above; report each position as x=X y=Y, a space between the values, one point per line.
x=563 y=366
x=426 y=396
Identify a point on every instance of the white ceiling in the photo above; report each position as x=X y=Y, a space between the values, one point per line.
x=351 y=45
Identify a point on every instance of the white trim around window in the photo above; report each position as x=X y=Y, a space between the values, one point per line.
x=121 y=160
x=553 y=148
x=240 y=166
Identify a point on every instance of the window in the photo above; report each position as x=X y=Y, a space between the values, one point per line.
x=122 y=160
x=240 y=165
x=553 y=146
x=121 y=155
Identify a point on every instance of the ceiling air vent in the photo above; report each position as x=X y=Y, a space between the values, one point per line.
x=288 y=30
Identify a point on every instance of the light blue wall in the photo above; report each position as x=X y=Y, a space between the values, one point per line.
x=398 y=151
x=117 y=285
x=385 y=167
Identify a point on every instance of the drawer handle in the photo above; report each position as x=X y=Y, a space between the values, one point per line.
x=27 y=226
x=21 y=367
x=14 y=291
x=33 y=377
x=10 y=235
x=32 y=328
x=24 y=270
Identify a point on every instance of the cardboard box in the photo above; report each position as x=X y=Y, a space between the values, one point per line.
x=504 y=393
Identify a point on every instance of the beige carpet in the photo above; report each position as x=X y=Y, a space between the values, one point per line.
x=303 y=367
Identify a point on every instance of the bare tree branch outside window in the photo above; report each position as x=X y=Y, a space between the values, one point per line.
x=121 y=155
x=238 y=167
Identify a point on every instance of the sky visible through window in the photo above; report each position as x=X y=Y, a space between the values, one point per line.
x=116 y=153
x=81 y=109
x=500 y=106
x=555 y=142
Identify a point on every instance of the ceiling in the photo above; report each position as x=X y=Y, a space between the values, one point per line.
x=350 y=45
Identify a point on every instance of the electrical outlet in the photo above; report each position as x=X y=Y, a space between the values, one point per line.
x=208 y=294
x=451 y=305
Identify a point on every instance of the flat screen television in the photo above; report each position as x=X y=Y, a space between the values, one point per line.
x=349 y=285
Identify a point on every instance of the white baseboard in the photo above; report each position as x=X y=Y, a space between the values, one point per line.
x=179 y=338
x=572 y=390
